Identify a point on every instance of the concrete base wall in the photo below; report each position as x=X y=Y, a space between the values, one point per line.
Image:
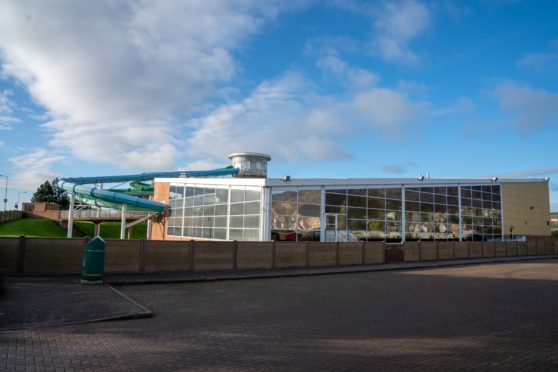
x=213 y=256
x=53 y=256
x=521 y=248
x=500 y=249
x=428 y=251
x=411 y=252
x=445 y=251
x=351 y=254
x=290 y=254
x=254 y=255
x=122 y=256
x=62 y=256
x=488 y=249
x=169 y=256
x=374 y=253
x=462 y=250
x=322 y=254
x=9 y=255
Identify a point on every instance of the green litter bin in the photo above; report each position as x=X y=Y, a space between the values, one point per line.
x=93 y=262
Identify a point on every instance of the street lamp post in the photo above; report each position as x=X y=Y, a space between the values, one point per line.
x=5 y=192
x=18 y=194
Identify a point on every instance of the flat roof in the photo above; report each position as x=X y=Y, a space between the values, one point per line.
x=294 y=182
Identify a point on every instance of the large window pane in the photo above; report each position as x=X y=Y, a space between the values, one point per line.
x=310 y=196
x=377 y=193
x=309 y=210
x=376 y=203
x=336 y=199
x=393 y=193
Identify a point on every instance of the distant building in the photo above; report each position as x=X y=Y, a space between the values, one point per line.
x=254 y=208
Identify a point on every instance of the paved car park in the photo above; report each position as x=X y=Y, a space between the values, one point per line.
x=491 y=316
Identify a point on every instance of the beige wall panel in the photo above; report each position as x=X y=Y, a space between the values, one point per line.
x=210 y=256
x=411 y=251
x=160 y=256
x=526 y=208
x=374 y=253
x=445 y=250
x=122 y=256
x=322 y=254
x=462 y=250
x=428 y=251
x=9 y=250
x=290 y=254
x=53 y=256
x=350 y=253
x=254 y=255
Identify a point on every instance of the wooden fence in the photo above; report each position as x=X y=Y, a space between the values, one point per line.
x=61 y=256
x=10 y=216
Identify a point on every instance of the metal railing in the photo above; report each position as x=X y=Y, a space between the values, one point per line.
x=94 y=214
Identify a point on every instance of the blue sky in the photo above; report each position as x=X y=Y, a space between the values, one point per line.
x=328 y=88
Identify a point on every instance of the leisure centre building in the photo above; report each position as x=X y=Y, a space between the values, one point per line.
x=251 y=207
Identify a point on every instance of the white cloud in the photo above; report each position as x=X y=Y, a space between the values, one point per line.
x=531 y=107
x=398 y=168
x=34 y=169
x=463 y=104
x=6 y=104
x=7 y=122
x=539 y=61
x=115 y=76
x=396 y=26
x=537 y=172
x=287 y=119
x=355 y=77
x=543 y=61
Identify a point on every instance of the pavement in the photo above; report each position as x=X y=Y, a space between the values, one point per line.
x=30 y=302
x=497 y=315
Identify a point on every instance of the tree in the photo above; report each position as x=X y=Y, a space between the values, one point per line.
x=50 y=192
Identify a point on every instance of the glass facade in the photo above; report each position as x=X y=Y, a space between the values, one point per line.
x=432 y=213
x=481 y=212
x=336 y=213
x=215 y=212
x=295 y=214
x=359 y=214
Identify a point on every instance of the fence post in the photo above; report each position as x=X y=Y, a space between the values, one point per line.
x=306 y=248
x=141 y=255
x=273 y=254
x=384 y=252
x=337 y=254
x=21 y=255
x=235 y=250
x=192 y=256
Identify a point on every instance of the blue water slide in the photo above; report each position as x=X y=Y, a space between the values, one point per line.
x=81 y=186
